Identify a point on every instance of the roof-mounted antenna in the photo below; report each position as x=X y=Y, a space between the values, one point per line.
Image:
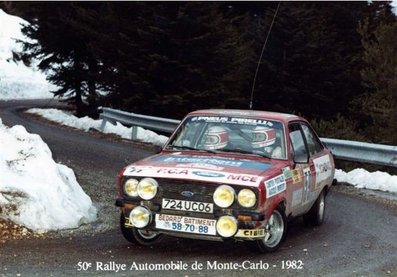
x=260 y=58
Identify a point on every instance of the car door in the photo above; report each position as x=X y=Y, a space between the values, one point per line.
x=313 y=161
x=320 y=159
x=303 y=170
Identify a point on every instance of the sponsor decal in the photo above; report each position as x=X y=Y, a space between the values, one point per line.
x=208 y=174
x=232 y=120
x=323 y=168
x=132 y=170
x=128 y=223
x=275 y=186
x=186 y=224
x=212 y=161
x=287 y=172
x=188 y=173
x=199 y=165
x=210 y=118
x=307 y=185
x=173 y=171
x=243 y=178
x=297 y=176
x=296 y=197
x=250 y=233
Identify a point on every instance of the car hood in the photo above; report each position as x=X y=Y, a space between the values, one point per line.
x=214 y=168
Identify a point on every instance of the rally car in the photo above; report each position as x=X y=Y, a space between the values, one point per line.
x=228 y=174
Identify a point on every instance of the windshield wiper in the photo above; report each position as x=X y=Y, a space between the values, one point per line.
x=180 y=147
x=245 y=152
x=264 y=155
x=235 y=151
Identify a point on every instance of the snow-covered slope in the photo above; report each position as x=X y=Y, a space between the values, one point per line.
x=86 y=123
x=34 y=190
x=16 y=80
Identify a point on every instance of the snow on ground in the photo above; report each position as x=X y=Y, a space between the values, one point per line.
x=361 y=178
x=86 y=123
x=18 y=81
x=34 y=190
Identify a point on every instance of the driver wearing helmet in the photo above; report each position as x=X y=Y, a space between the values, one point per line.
x=216 y=138
x=263 y=140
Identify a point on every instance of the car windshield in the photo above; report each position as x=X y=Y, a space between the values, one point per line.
x=231 y=134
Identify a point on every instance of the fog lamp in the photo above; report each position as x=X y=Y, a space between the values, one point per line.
x=226 y=226
x=140 y=217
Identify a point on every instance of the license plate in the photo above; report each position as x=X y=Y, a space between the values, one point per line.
x=186 y=224
x=191 y=206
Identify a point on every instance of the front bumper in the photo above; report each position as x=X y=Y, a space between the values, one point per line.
x=250 y=224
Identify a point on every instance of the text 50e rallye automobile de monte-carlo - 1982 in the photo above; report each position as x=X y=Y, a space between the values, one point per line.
x=228 y=174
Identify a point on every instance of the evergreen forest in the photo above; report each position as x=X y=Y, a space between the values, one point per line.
x=334 y=63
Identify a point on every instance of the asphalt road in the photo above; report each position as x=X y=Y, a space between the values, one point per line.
x=358 y=237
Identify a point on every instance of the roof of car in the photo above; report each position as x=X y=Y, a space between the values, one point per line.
x=249 y=113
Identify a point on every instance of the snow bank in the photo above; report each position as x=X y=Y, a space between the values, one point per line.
x=34 y=190
x=18 y=81
x=361 y=178
x=85 y=123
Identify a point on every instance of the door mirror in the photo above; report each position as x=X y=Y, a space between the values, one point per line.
x=157 y=149
x=301 y=158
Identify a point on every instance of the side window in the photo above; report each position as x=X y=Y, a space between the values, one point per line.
x=312 y=140
x=187 y=135
x=298 y=144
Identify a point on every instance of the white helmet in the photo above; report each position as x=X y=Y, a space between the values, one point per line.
x=263 y=137
x=216 y=138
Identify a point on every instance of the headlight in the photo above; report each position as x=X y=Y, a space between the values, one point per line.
x=131 y=187
x=140 y=217
x=246 y=198
x=147 y=188
x=226 y=226
x=224 y=196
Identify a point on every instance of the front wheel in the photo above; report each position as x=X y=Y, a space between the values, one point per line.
x=138 y=236
x=275 y=228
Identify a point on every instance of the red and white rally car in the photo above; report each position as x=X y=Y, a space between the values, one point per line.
x=228 y=174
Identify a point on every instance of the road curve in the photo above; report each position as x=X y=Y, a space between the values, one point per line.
x=357 y=239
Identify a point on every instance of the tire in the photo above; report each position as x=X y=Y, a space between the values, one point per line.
x=276 y=229
x=315 y=216
x=138 y=236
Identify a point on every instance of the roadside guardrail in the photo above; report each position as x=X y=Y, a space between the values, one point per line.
x=153 y=123
x=342 y=149
x=364 y=152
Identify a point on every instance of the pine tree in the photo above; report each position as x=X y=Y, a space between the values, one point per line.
x=180 y=57
x=380 y=79
x=55 y=39
x=154 y=58
x=320 y=71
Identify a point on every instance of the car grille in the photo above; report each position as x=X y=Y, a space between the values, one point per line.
x=173 y=189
